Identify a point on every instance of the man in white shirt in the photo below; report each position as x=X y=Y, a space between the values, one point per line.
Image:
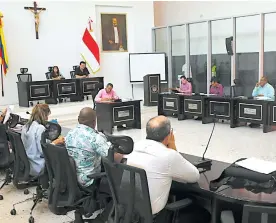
x=157 y=155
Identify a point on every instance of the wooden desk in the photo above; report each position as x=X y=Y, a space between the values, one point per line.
x=32 y=91
x=168 y=104
x=110 y=114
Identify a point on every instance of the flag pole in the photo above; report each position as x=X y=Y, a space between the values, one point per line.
x=2 y=84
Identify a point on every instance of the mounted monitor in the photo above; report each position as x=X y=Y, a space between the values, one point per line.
x=142 y=64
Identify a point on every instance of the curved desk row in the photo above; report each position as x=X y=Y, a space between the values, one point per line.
x=53 y=89
x=236 y=110
x=225 y=194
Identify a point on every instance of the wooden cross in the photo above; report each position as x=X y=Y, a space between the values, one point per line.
x=36 y=11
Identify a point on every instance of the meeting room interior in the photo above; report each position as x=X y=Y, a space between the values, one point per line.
x=137 y=111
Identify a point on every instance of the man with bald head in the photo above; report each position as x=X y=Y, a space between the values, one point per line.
x=157 y=155
x=86 y=146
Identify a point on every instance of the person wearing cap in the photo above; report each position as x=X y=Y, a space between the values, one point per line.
x=216 y=88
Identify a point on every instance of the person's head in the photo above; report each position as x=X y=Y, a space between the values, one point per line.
x=114 y=22
x=109 y=87
x=214 y=81
x=263 y=81
x=87 y=117
x=159 y=129
x=82 y=65
x=40 y=114
x=56 y=69
x=183 y=79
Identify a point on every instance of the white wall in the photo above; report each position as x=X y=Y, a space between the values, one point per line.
x=247 y=28
x=59 y=43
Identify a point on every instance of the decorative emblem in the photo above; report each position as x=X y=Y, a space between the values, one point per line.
x=154 y=88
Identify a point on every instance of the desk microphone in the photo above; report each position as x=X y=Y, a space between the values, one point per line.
x=203 y=162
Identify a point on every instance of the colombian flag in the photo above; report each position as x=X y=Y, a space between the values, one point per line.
x=3 y=49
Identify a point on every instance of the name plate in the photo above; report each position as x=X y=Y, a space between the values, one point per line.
x=90 y=86
x=66 y=89
x=169 y=104
x=192 y=106
x=39 y=91
x=122 y=114
x=250 y=111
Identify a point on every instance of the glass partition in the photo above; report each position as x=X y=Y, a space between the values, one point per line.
x=247 y=49
x=270 y=47
x=198 y=56
x=161 y=40
x=178 y=53
x=221 y=61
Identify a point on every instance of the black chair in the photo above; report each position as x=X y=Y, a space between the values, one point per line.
x=72 y=74
x=130 y=193
x=48 y=75
x=24 y=77
x=6 y=157
x=254 y=213
x=21 y=173
x=65 y=194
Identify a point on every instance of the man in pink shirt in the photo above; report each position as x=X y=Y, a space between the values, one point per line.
x=107 y=94
x=186 y=86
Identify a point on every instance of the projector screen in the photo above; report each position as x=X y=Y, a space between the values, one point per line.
x=141 y=64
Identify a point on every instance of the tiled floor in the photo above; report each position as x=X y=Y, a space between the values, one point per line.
x=191 y=137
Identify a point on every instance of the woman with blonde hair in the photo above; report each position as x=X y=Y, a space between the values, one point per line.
x=31 y=137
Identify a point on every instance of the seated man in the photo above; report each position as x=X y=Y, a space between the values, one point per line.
x=107 y=94
x=264 y=89
x=86 y=146
x=82 y=71
x=216 y=88
x=157 y=155
x=186 y=86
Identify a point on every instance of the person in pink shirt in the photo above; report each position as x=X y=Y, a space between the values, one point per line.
x=106 y=94
x=216 y=88
x=186 y=86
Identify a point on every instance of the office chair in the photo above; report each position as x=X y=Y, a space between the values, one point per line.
x=6 y=157
x=129 y=187
x=130 y=194
x=256 y=212
x=65 y=194
x=21 y=175
x=24 y=77
x=72 y=73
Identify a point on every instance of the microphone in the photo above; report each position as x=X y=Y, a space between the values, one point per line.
x=203 y=162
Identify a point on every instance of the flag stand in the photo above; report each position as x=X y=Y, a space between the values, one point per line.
x=2 y=84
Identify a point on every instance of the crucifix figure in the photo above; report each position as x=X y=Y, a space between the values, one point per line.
x=36 y=11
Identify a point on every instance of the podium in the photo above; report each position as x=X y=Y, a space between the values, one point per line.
x=151 y=89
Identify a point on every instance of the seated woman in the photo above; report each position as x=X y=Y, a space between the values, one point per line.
x=55 y=74
x=31 y=137
x=216 y=88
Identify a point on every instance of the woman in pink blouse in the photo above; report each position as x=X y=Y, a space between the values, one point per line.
x=106 y=94
x=216 y=88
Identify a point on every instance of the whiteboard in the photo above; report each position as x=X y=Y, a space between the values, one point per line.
x=141 y=64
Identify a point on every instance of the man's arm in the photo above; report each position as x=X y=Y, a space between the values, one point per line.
x=114 y=95
x=98 y=96
x=255 y=92
x=181 y=169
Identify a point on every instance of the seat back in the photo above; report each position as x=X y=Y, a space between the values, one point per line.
x=238 y=91
x=48 y=75
x=258 y=213
x=24 y=77
x=130 y=193
x=64 y=190
x=4 y=148
x=72 y=74
x=21 y=162
x=227 y=91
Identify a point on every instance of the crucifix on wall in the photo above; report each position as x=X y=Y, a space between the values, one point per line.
x=36 y=11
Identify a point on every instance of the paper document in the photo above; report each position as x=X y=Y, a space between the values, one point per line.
x=263 y=98
x=258 y=165
x=8 y=113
